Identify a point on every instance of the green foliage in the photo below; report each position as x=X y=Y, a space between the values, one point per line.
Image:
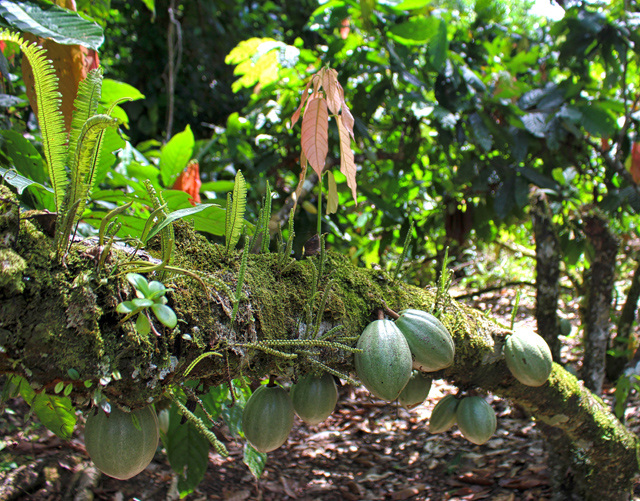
x=149 y=295
x=51 y=22
x=236 y=206
x=56 y=413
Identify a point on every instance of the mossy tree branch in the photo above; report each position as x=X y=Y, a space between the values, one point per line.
x=55 y=318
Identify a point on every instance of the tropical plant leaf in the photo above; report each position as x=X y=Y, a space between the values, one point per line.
x=332 y=195
x=332 y=90
x=315 y=133
x=178 y=214
x=112 y=91
x=347 y=161
x=256 y=461
x=20 y=182
x=85 y=159
x=56 y=413
x=416 y=30
x=52 y=22
x=49 y=115
x=187 y=452
x=24 y=156
x=439 y=47
x=175 y=156
x=235 y=212
x=305 y=95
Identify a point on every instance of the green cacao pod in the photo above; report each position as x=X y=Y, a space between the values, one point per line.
x=267 y=418
x=416 y=391
x=476 y=419
x=384 y=366
x=314 y=398
x=565 y=327
x=119 y=446
x=430 y=342
x=443 y=415
x=529 y=358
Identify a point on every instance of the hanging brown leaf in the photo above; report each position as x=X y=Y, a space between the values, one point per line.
x=331 y=88
x=347 y=161
x=305 y=94
x=332 y=195
x=347 y=117
x=315 y=133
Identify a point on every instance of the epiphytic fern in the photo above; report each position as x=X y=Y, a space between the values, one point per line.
x=50 y=117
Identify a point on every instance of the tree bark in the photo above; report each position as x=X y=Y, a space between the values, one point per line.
x=620 y=343
x=548 y=255
x=55 y=318
x=596 y=311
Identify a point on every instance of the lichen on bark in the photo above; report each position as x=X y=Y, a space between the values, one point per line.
x=66 y=318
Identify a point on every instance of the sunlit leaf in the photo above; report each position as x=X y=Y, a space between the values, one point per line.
x=256 y=461
x=175 y=155
x=331 y=88
x=165 y=315
x=56 y=413
x=332 y=195
x=51 y=22
x=315 y=133
x=347 y=161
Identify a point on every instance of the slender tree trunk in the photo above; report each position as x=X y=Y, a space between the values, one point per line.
x=54 y=319
x=596 y=311
x=548 y=254
x=616 y=364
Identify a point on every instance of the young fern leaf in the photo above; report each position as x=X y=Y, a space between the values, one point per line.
x=235 y=212
x=50 y=117
x=83 y=162
x=82 y=165
x=86 y=105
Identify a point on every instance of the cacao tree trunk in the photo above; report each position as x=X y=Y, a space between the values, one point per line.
x=548 y=255
x=596 y=310
x=55 y=318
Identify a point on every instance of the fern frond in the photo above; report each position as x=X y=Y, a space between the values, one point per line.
x=235 y=218
x=86 y=106
x=50 y=117
x=83 y=162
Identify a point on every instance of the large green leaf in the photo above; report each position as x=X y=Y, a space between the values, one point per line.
x=175 y=155
x=179 y=214
x=417 y=30
x=112 y=91
x=50 y=21
x=20 y=182
x=24 y=156
x=56 y=413
x=439 y=46
x=187 y=451
x=256 y=461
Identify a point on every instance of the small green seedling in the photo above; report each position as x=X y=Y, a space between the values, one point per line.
x=149 y=295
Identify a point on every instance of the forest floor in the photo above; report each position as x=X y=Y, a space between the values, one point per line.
x=367 y=450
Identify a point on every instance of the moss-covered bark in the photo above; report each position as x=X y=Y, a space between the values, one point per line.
x=55 y=318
